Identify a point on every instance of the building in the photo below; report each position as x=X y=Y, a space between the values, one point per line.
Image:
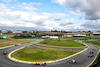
x=79 y=35
x=31 y=31
x=69 y=35
x=52 y=37
x=48 y=32
x=4 y=31
x=17 y=32
x=0 y=33
x=75 y=33
x=96 y=33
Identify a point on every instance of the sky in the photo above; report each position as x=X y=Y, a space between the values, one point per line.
x=47 y=15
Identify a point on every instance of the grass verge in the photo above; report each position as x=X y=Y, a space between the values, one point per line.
x=57 y=49
x=95 y=42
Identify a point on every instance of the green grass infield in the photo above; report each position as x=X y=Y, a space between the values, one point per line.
x=62 y=43
x=35 y=54
x=95 y=42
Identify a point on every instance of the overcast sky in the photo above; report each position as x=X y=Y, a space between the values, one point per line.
x=46 y=15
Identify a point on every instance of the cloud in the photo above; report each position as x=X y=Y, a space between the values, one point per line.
x=89 y=8
x=35 y=3
x=12 y=7
x=21 y=28
x=28 y=19
x=30 y=16
x=92 y=25
x=6 y=0
x=16 y=24
x=53 y=15
x=28 y=6
x=57 y=19
x=39 y=3
x=3 y=8
x=66 y=22
x=80 y=17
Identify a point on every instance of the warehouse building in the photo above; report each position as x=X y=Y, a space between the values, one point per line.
x=96 y=33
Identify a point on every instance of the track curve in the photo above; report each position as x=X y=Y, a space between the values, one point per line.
x=82 y=59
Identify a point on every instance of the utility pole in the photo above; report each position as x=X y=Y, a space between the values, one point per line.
x=61 y=34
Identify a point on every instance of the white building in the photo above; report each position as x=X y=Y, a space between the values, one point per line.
x=52 y=37
x=79 y=35
x=4 y=31
x=33 y=35
x=0 y=33
x=17 y=32
x=31 y=31
x=96 y=33
x=69 y=36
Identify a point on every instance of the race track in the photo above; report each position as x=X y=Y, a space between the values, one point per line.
x=81 y=59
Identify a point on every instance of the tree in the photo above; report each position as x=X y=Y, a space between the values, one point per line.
x=89 y=31
x=51 y=30
x=0 y=31
x=55 y=30
x=9 y=31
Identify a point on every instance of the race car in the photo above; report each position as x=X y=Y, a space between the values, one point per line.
x=16 y=45
x=91 y=52
x=39 y=64
x=71 y=61
x=90 y=55
x=93 y=49
x=4 y=53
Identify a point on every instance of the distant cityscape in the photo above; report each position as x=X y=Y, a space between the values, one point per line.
x=49 y=34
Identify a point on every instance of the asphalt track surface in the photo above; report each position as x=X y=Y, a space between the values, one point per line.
x=82 y=59
x=60 y=47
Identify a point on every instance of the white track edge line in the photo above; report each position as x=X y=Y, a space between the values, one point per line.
x=94 y=59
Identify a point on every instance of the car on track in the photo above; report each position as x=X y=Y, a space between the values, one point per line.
x=5 y=53
x=39 y=64
x=91 y=52
x=71 y=61
x=16 y=44
x=93 y=49
x=90 y=56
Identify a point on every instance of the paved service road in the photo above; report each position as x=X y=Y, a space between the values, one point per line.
x=81 y=59
x=60 y=47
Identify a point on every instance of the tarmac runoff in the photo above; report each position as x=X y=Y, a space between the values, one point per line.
x=51 y=61
x=6 y=47
x=18 y=44
x=10 y=46
x=95 y=57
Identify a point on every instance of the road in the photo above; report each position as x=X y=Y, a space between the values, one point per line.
x=60 y=47
x=81 y=59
